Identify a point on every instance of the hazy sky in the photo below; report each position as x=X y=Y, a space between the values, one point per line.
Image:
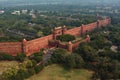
x=34 y=2
x=61 y=0
x=3 y=0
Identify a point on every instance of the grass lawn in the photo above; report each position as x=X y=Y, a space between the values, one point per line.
x=55 y=72
x=6 y=65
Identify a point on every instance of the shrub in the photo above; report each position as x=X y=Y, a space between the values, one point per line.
x=31 y=71
x=38 y=68
x=36 y=56
x=9 y=74
x=20 y=57
x=59 y=55
x=21 y=75
x=4 y=56
x=69 y=62
x=66 y=38
x=49 y=62
x=34 y=63
x=29 y=64
x=73 y=61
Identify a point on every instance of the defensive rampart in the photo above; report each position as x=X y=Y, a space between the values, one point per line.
x=32 y=46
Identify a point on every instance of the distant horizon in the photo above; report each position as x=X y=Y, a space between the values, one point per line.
x=5 y=3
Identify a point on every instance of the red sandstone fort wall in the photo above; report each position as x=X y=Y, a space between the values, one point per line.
x=105 y=22
x=35 y=45
x=77 y=31
x=74 y=31
x=11 y=47
x=89 y=27
x=75 y=45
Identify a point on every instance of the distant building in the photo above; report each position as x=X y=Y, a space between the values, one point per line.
x=1 y=11
x=32 y=13
x=116 y=11
x=24 y=11
x=16 y=12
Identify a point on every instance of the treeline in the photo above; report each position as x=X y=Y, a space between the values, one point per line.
x=24 y=26
x=27 y=67
x=66 y=59
x=99 y=56
x=33 y=64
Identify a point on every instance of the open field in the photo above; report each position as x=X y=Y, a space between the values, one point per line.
x=6 y=65
x=55 y=72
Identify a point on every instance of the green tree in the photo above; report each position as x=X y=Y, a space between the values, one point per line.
x=87 y=52
x=59 y=55
x=21 y=57
x=66 y=38
x=36 y=56
x=5 y=56
x=40 y=34
x=38 y=68
x=9 y=74
x=70 y=61
x=79 y=62
x=29 y=64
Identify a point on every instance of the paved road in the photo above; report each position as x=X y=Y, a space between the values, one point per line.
x=47 y=56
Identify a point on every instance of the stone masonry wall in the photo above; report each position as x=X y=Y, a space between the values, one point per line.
x=36 y=44
x=11 y=47
x=32 y=46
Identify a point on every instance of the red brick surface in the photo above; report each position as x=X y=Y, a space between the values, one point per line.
x=37 y=44
x=11 y=47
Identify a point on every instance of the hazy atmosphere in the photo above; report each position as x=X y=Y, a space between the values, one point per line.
x=5 y=3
